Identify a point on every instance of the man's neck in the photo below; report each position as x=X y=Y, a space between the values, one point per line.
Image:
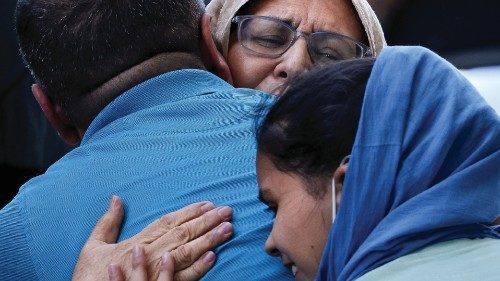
x=159 y=64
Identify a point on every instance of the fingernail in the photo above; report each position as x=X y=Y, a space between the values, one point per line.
x=225 y=212
x=137 y=254
x=209 y=257
x=207 y=207
x=114 y=204
x=113 y=271
x=225 y=228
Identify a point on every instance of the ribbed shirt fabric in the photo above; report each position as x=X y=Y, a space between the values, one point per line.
x=181 y=137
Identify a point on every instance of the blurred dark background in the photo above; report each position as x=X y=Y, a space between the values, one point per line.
x=467 y=33
x=28 y=144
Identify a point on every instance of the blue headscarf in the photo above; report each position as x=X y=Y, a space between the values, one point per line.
x=425 y=166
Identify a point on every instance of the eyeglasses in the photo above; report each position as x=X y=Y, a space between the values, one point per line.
x=271 y=37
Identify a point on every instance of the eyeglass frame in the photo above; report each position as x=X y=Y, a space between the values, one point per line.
x=366 y=50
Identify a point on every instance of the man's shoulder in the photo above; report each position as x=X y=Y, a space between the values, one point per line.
x=10 y=214
x=40 y=227
x=15 y=254
x=198 y=82
x=175 y=92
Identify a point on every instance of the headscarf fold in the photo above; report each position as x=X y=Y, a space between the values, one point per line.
x=425 y=166
x=223 y=11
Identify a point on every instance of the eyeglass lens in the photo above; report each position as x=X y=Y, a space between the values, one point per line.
x=272 y=37
x=265 y=36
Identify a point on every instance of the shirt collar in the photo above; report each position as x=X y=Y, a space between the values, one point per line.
x=165 y=88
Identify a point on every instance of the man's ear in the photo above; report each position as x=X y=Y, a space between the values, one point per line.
x=210 y=55
x=339 y=176
x=57 y=116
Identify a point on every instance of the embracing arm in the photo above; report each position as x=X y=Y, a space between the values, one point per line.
x=177 y=244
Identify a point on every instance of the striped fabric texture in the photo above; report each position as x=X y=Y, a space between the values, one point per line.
x=182 y=137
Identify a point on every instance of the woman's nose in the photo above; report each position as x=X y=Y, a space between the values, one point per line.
x=270 y=247
x=294 y=61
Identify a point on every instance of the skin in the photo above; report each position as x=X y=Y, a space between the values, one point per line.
x=176 y=246
x=302 y=221
x=270 y=74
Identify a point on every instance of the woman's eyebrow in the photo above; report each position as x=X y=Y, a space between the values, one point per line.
x=286 y=20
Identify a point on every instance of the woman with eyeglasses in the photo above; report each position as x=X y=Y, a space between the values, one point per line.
x=267 y=43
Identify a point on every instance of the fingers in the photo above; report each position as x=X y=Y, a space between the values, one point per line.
x=115 y=273
x=187 y=253
x=108 y=227
x=197 y=269
x=163 y=225
x=187 y=232
x=167 y=268
x=139 y=271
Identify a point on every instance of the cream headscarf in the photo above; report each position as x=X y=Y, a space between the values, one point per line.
x=223 y=11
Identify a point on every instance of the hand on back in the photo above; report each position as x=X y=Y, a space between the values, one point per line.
x=175 y=247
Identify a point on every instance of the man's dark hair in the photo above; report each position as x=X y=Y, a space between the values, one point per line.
x=74 y=46
x=313 y=125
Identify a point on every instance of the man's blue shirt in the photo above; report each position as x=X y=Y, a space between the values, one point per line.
x=181 y=137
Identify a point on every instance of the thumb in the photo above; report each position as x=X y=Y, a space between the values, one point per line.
x=108 y=226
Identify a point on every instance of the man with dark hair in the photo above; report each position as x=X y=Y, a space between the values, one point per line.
x=75 y=48
x=128 y=82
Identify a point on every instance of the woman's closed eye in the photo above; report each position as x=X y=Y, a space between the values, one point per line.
x=265 y=197
x=273 y=209
x=269 y=41
x=330 y=53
